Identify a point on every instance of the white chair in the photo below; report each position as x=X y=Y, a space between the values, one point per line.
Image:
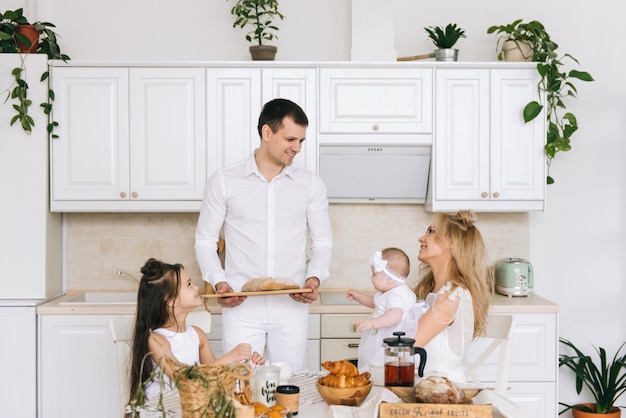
x=499 y=329
x=122 y=333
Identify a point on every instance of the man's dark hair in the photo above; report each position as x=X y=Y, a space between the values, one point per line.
x=276 y=110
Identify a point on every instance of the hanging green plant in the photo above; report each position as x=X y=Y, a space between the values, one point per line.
x=556 y=82
x=14 y=40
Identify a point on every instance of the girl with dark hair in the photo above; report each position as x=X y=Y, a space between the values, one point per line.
x=166 y=295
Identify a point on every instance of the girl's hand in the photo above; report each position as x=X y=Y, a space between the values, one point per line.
x=257 y=359
x=242 y=352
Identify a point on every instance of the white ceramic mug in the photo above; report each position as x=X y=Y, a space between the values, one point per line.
x=286 y=370
x=377 y=370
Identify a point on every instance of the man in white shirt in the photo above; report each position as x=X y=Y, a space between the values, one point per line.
x=266 y=206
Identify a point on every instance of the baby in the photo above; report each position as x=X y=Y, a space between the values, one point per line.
x=391 y=303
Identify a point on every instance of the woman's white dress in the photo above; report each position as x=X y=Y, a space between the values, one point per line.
x=445 y=352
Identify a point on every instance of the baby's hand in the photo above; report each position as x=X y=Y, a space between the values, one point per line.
x=242 y=352
x=364 y=324
x=257 y=359
x=352 y=294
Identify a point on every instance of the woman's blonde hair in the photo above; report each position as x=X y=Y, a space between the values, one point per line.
x=469 y=268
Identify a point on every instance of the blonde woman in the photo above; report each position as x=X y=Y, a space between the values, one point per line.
x=457 y=286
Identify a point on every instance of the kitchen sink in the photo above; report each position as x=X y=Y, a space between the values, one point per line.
x=101 y=298
x=338 y=297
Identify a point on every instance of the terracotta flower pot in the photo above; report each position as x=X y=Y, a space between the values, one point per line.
x=33 y=36
x=263 y=52
x=615 y=412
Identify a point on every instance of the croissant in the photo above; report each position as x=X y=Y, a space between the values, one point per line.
x=343 y=367
x=343 y=381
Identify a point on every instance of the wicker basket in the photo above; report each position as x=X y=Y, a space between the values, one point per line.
x=204 y=388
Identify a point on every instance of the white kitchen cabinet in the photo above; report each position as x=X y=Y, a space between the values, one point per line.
x=339 y=337
x=313 y=342
x=533 y=363
x=18 y=389
x=485 y=157
x=389 y=100
x=130 y=139
x=77 y=367
x=235 y=97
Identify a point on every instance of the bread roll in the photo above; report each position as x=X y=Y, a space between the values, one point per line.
x=265 y=284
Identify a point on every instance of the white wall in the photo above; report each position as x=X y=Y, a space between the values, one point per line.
x=576 y=246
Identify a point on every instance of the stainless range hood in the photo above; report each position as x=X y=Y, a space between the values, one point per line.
x=367 y=173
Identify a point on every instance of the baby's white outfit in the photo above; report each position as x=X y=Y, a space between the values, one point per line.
x=371 y=348
x=186 y=348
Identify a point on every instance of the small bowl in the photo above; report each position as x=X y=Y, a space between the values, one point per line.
x=344 y=396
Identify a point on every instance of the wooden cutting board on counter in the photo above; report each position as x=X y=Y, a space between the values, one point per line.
x=257 y=293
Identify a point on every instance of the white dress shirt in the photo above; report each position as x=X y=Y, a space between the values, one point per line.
x=265 y=225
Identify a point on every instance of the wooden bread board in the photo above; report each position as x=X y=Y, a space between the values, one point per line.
x=257 y=293
x=415 y=410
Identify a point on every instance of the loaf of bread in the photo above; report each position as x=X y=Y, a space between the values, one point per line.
x=438 y=389
x=265 y=284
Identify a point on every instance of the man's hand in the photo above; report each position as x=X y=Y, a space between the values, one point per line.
x=312 y=283
x=230 y=302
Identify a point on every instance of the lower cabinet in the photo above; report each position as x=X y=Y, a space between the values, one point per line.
x=78 y=367
x=339 y=337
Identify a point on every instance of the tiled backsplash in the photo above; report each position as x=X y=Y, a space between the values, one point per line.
x=100 y=244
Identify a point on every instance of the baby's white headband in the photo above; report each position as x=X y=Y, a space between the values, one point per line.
x=380 y=265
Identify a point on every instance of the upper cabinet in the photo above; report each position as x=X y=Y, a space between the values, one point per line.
x=375 y=100
x=130 y=139
x=147 y=137
x=235 y=97
x=485 y=157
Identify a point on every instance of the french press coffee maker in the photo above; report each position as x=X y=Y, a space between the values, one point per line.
x=400 y=360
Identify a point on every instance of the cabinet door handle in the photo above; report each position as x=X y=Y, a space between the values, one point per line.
x=123 y=195
x=134 y=194
x=353 y=345
x=484 y=194
x=375 y=128
x=496 y=195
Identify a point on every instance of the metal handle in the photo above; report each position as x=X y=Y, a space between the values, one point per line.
x=353 y=345
x=484 y=194
x=134 y=194
x=123 y=195
x=496 y=195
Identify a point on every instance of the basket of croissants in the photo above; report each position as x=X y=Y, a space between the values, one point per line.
x=343 y=385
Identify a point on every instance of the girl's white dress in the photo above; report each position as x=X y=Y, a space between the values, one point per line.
x=445 y=352
x=371 y=344
x=186 y=348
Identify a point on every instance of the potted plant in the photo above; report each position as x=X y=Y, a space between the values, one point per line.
x=18 y=35
x=556 y=82
x=444 y=39
x=260 y=15
x=605 y=380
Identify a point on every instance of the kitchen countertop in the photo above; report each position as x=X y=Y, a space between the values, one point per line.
x=500 y=304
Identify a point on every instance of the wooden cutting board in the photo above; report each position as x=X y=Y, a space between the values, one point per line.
x=258 y=293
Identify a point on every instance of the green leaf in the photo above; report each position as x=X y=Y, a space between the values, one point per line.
x=581 y=75
x=532 y=110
